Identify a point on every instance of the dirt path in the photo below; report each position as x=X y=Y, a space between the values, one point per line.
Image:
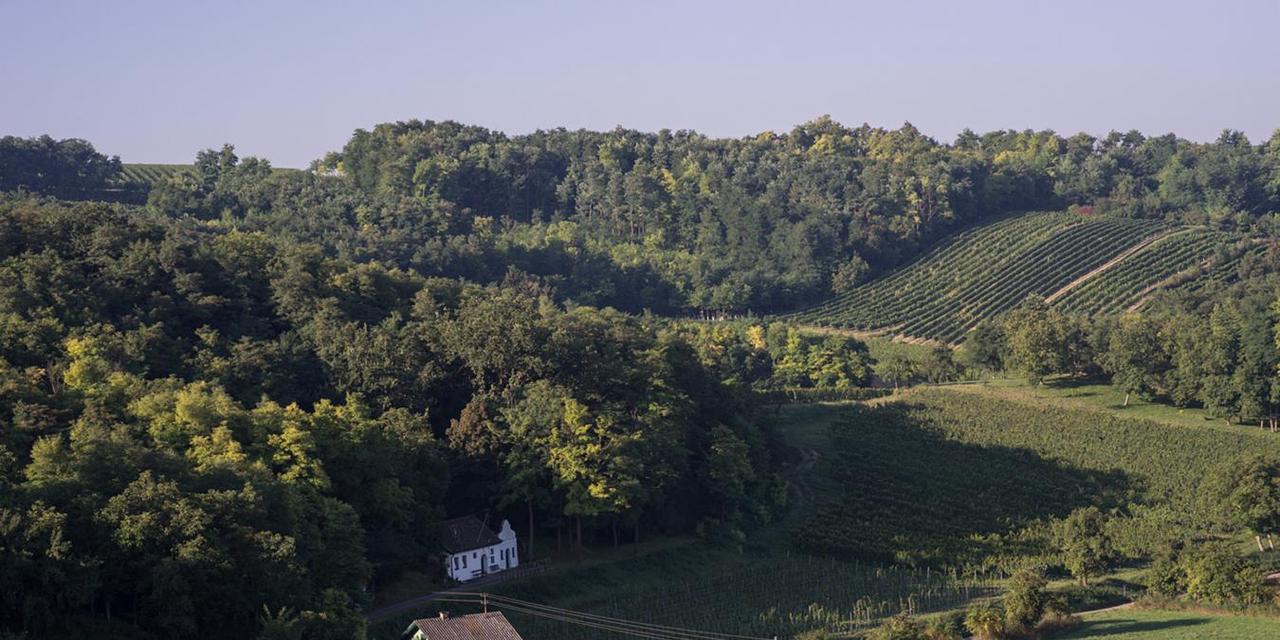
x=1126 y=605
x=1110 y=263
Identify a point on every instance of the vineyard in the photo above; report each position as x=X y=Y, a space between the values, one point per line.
x=1116 y=288
x=915 y=480
x=755 y=596
x=152 y=174
x=1087 y=265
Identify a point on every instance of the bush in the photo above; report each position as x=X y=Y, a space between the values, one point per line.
x=1167 y=577
x=985 y=621
x=946 y=627
x=1024 y=602
x=1218 y=575
x=899 y=627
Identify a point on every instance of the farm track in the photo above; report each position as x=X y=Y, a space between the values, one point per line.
x=1109 y=264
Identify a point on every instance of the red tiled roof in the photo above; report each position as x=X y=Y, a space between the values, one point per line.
x=478 y=626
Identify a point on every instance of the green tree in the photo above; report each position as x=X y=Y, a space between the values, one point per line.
x=1252 y=494
x=1083 y=543
x=897 y=369
x=1135 y=356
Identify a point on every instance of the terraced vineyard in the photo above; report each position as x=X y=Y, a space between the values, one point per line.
x=1088 y=265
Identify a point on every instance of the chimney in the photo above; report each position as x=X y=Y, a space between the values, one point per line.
x=444 y=615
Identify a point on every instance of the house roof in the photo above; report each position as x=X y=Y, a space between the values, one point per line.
x=478 y=626
x=466 y=533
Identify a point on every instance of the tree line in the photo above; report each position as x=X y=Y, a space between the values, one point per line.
x=678 y=222
x=1219 y=353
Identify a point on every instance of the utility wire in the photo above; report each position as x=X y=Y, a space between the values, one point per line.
x=604 y=623
x=712 y=635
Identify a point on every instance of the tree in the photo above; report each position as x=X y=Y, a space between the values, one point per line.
x=1135 y=356
x=849 y=274
x=1043 y=342
x=896 y=369
x=838 y=363
x=1083 y=543
x=985 y=347
x=1252 y=494
x=70 y=168
x=939 y=365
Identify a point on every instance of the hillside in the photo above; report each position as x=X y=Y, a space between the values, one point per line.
x=1081 y=264
x=915 y=478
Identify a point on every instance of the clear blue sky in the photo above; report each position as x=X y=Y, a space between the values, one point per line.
x=290 y=80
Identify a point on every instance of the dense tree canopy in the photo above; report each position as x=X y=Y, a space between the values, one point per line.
x=229 y=410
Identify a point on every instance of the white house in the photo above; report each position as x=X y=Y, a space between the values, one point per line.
x=472 y=549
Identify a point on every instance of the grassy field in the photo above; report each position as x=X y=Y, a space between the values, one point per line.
x=1091 y=396
x=1130 y=624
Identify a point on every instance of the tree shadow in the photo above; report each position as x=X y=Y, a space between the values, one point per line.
x=1121 y=626
x=895 y=487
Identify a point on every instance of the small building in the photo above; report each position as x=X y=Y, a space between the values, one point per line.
x=491 y=625
x=473 y=550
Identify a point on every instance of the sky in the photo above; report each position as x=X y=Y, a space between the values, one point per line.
x=290 y=80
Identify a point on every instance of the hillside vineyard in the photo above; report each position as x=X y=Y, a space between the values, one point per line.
x=1080 y=263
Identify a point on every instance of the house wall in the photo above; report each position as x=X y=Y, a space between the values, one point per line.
x=469 y=565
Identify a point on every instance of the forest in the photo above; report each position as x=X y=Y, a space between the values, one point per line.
x=235 y=399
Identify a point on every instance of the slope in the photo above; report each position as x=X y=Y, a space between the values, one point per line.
x=1081 y=264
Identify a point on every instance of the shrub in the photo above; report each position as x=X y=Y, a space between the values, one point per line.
x=1218 y=575
x=946 y=627
x=985 y=621
x=1167 y=577
x=899 y=627
x=1024 y=603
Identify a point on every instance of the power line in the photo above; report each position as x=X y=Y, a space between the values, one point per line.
x=646 y=630
x=690 y=633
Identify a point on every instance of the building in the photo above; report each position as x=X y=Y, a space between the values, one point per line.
x=472 y=549
x=479 y=626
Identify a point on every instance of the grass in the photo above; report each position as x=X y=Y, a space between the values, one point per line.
x=1092 y=396
x=1130 y=624
x=914 y=478
x=894 y=475
x=719 y=589
x=766 y=587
